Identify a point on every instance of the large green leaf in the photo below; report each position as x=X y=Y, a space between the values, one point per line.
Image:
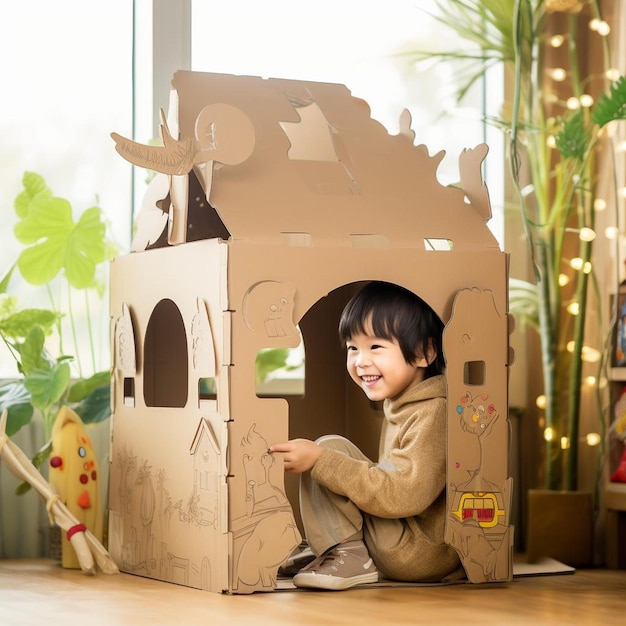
x=47 y=386
x=16 y=399
x=55 y=241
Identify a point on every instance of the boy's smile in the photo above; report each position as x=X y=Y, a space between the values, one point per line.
x=377 y=365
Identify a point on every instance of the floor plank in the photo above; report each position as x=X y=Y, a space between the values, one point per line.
x=36 y=592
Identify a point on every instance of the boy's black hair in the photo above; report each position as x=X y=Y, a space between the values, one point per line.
x=395 y=313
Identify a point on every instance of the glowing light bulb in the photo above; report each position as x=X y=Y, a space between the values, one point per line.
x=573 y=308
x=541 y=402
x=622 y=192
x=594 y=24
x=573 y=103
x=603 y=29
x=576 y=263
x=613 y=73
x=587 y=234
x=590 y=380
x=551 y=141
x=599 y=204
x=570 y=346
x=587 y=267
x=564 y=443
x=558 y=74
x=586 y=100
x=593 y=439
x=611 y=232
x=556 y=41
x=549 y=434
x=563 y=280
x=590 y=355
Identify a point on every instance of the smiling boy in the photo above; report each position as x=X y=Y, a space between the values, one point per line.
x=364 y=519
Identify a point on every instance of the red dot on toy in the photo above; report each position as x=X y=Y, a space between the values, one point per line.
x=56 y=461
x=84 y=478
x=93 y=475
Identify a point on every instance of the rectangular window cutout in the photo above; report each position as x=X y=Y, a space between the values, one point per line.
x=129 y=392
x=474 y=373
x=207 y=393
x=438 y=245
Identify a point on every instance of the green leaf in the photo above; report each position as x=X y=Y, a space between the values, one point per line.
x=524 y=302
x=8 y=305
x=34 y=185
x=47 y=386
x=573 y=138
x=268 y=361
x=32 y=353
x=57 y=243
x=19 y=325
x=42 y=454
x=95 y=407
x=6 y=278
x=16 y=399
x=85 y=249
x=84 y=386
x=611 y=106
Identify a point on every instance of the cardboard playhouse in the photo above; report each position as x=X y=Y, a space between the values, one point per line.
x=274 y=201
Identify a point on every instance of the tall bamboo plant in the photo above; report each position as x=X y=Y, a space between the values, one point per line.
x=555 y=126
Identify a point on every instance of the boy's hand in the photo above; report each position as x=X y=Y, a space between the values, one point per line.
x=299 y=455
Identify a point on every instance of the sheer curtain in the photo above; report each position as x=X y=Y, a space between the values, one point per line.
x=67 y=83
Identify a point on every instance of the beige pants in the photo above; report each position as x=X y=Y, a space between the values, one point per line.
x=329 y=518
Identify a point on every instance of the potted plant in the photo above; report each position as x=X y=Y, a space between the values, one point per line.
x=63 y=257
x=564 y=96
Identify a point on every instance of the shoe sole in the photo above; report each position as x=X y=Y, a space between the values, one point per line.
x=332 y=583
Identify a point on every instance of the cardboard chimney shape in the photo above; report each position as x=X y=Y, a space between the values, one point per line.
x=275 y=201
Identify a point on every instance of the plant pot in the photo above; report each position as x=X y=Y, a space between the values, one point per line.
x=560 y=526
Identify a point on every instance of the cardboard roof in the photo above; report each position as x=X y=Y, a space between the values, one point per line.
x=321 y=170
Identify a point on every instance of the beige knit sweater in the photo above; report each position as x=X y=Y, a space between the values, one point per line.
x=407 y=483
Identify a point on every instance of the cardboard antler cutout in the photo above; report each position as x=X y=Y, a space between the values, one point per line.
x=87 y=547
x=224 y=135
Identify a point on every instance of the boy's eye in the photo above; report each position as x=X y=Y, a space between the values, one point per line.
x=376 y=346
x=351 y=348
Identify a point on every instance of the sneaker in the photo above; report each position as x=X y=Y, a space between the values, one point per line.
x=346 y=565
x=300 y=557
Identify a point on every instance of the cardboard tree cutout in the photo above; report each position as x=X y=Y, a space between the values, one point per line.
x=283 y=198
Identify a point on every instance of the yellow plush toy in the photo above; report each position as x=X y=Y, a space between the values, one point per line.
x=74 y=476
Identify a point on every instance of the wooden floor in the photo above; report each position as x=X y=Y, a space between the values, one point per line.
x=37 y=592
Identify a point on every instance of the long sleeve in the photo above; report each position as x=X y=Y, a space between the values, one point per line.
x=411 y=473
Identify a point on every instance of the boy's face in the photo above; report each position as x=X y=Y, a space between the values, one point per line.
x=378 y=367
